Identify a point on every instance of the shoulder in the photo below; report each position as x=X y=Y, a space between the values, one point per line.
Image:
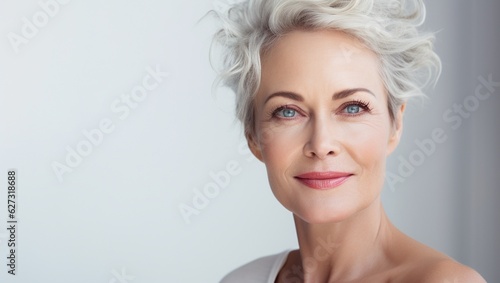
x=421 y=263
x=442 y=270
x=258 y=270
x=448 y=270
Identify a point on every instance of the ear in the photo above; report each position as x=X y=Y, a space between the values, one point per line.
x=396 y=129
x=253 y=145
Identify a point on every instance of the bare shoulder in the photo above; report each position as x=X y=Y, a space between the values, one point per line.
x=423 y=264
x=443 y=271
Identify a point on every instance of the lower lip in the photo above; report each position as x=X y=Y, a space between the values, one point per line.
x=323 y=184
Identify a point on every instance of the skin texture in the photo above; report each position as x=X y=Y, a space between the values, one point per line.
x=344 y=234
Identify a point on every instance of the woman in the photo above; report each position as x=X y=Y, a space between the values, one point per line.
x=321 y=88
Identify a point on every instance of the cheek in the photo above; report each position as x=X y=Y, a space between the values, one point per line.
x=279 y=145
x=369 y=142
x=368 y=148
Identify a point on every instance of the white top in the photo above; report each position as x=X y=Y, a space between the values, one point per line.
x=261 y=270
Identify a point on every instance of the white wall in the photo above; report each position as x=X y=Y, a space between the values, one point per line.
x=117 y=212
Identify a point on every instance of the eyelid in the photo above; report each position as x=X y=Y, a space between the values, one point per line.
x=363 y=104
x=273 y=113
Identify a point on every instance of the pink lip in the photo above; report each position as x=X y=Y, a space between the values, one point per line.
x=323 y=180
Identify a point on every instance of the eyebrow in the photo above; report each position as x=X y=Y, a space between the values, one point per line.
x=338 y=95
x=350 y=91
x=287 y=94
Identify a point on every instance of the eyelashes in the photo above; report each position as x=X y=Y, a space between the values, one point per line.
x=285 y=110
x=357 y=103
x=349 y=109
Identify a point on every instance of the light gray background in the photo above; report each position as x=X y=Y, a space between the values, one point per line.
x=116 y=214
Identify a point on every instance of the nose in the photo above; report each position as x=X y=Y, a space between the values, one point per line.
x=323 y=139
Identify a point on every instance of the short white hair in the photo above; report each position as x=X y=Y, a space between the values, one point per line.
x=387 y=27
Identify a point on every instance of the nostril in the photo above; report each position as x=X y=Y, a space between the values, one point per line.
x=321 y=156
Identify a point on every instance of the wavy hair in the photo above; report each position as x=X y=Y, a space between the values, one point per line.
x=387 y=27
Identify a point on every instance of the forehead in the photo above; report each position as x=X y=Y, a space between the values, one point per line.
x=310 y=61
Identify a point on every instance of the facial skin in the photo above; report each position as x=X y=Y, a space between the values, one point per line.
x=322 y=107
x=314 y=130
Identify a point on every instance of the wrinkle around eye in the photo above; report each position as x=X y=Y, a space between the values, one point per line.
x=364 y=107
x=278 y=112
x=283 y=112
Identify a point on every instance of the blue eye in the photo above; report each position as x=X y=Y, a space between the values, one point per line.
x=352 y=109
x=285 y=112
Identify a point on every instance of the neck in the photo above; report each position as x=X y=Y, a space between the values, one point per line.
x=343 y=250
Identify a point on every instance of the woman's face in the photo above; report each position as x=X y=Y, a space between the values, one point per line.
x=322 y=125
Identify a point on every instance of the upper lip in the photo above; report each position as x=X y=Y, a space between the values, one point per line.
x=323 y=175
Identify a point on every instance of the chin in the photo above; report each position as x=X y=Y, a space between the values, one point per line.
x=323 y=214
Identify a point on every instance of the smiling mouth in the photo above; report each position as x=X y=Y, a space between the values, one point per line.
x=323 y=180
